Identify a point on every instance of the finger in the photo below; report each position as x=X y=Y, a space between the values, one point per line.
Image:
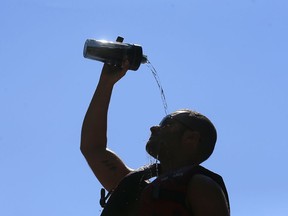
x=125 y=64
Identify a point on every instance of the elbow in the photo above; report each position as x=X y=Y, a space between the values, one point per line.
x=83 y=149
x=92 y=143
x=87 y=149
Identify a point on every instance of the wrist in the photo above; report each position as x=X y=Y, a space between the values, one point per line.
x=106 y=81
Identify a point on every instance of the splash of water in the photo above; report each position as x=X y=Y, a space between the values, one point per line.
x=157 y=165
x=164 y=102
x=156 y=77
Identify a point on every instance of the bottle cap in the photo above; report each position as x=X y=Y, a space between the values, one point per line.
x=144 y=59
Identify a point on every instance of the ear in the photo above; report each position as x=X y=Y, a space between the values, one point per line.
x=191 y=138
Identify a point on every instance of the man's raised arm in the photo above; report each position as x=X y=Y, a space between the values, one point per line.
x=105 y=164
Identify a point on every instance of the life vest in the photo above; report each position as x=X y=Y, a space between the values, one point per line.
x=124 y=199
x=166 y=195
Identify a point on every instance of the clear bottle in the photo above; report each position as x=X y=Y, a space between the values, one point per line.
x=114 y=53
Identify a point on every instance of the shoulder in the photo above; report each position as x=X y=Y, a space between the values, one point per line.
x=206 y=197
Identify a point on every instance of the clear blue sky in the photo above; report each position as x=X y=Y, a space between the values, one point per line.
x=226 y=59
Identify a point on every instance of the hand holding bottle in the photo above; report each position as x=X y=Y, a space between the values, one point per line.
x=114 y=73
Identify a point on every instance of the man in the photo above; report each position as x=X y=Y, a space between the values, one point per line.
x=180 y=142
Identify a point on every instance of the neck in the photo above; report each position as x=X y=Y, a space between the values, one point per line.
x=169 y=167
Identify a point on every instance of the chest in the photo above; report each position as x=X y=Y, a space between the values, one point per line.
x=165 y=196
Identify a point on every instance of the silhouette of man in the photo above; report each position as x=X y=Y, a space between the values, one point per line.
x=181 y=141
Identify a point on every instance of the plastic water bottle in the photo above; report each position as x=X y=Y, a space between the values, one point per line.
x=114 y=53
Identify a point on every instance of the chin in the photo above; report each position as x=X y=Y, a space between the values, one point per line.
x=150 y=150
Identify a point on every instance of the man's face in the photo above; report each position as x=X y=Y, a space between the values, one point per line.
x=165 y=139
